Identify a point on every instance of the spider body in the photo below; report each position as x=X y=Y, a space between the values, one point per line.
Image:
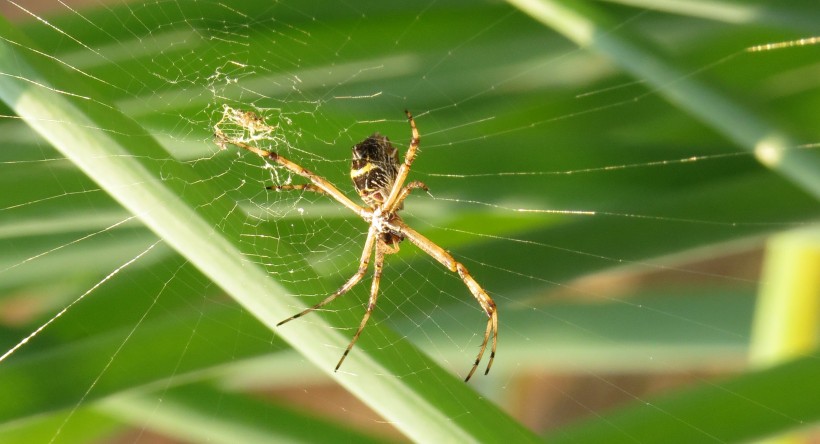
x=378 y=177
x=374 y=169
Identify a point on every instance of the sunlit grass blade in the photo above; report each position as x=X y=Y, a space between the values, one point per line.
x=750 y=406
x=590 y=28
x=799 y=15
x=788 y=311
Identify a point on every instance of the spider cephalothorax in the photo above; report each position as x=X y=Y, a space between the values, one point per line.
x=379 y=178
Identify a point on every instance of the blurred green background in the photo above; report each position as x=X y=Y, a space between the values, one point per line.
x=608 y=197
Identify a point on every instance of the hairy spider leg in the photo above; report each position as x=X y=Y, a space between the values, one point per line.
x=407 y=189
x=490 y=309
x=392 y=202
x=317 y=181
x=484 y=300
x=372 y=234
x=299 y=187
x=378 y=263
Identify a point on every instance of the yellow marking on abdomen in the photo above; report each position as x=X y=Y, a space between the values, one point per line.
x=363 y=170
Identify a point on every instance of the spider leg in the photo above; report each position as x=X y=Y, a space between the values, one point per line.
x=317 y=181
x=488 y=305
x=392 y=202
x=300 y=187
x=363 y=262
x=371 y=304
x=406 y=192
x=484 y=300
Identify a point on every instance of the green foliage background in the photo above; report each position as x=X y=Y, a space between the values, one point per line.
x=157 y=347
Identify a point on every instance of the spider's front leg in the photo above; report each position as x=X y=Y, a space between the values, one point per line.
x=316 y=182
x=392 y=203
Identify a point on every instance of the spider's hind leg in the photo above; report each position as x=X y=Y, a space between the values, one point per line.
x=488 y=305
x=363 y=263
x=378 y=263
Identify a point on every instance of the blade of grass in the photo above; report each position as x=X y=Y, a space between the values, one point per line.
x=788 y=308
x=590 y=28
x=86 y=426
x=125 y=161
x=750 y=406
x=201 y=413
x=31 y=389
x=794 y=15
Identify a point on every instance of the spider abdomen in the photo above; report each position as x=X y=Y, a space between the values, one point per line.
x=374 y=169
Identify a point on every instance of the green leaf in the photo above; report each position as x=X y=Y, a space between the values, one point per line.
x=754 y=405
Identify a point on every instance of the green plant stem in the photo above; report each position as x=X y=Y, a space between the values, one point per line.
x=788 y=309
x=590 y=28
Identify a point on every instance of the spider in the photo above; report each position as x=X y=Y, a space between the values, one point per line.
x=379 y=178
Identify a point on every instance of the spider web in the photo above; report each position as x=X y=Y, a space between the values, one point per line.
x=620 y=237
